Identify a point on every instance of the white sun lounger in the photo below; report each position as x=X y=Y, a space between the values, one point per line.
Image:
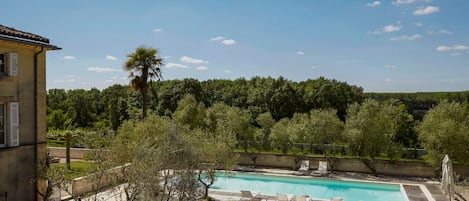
x=247 y=195
x=301 y=198
x=322 y=169
x=282 y=197
x=304 y=168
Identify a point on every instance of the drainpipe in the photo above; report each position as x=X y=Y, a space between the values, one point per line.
x=35 y=123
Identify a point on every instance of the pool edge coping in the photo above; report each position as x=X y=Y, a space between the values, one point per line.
x=423 y=188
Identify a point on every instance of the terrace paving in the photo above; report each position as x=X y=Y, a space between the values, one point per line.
x=417 y=189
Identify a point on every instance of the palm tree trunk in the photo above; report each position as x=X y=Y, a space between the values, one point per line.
x=67 y=150
x=144 y=103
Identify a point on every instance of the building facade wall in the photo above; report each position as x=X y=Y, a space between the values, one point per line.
x=17 y=169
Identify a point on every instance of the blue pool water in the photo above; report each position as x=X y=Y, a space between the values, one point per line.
x=317 y=188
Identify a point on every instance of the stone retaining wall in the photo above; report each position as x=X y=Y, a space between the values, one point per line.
x=385 y=167
x=97 y=181
x=75 y=153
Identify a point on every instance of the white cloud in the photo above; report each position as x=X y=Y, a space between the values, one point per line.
x=218 y=38
x=455 y=54
x=190 y=60
x=460 y=47
x=402 y=2
x=176 y=65
x=71 y=78
x=426 y=10
x=109 y=81
x=103 y=69
x=374 y=4
x=443 y=48
x=443 y=31
x=388 y=80
x=223 y=40
x=227 y=71
x=157 y=30
x=391 y=28
x=111 y=58
x=314 y=67
x=406 y=37
x=390 y=66
x=202 y=68
x=300 y=53
x=388 y=29
x=228 y=41
x=405 y=2
x=69 y=57
x=419 y=24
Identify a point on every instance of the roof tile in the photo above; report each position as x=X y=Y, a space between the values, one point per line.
x=8 y=31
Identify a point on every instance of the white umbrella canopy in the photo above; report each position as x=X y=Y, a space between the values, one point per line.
x=447 y=177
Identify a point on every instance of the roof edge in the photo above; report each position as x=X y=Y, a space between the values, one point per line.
x=29 y=42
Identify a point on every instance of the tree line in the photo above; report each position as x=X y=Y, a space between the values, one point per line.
x=281 y=97
x=266 y=105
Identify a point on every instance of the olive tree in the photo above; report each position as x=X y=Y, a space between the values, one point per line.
x=281 y=135
x=325 y=128
x=159 y=151
x=370 y=128
x=213 y=143
x=216 y=152
x=190 y=112
x=266 y=122
x=445 y=130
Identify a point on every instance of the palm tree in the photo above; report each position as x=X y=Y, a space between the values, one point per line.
x=143 y=65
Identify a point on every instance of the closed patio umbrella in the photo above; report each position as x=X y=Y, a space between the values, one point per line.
x=447 y=177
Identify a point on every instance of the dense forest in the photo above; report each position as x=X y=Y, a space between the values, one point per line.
x=264 y=113
x=281 y=97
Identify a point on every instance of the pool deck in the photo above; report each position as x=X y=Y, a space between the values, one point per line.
x=417 y=189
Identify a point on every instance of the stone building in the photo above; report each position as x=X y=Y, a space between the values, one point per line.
x=22 y=112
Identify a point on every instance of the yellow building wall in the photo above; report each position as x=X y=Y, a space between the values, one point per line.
x=17 y=166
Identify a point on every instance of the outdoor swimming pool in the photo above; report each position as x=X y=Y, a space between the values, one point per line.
x=317 y=188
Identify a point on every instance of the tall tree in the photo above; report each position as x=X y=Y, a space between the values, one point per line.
x=445 y=130
x=371 y=127
x=143 y=65
x=326 y=127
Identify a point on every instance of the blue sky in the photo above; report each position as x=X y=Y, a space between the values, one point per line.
x=382 y=46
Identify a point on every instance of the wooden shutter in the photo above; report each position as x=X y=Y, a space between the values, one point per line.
x=14 y=130
x=13 y=64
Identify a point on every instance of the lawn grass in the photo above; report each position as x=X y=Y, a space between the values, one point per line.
x=78 y=169
x=55 y=143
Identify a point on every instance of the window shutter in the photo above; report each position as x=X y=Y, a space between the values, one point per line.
x=13 y=64
x=14 y=124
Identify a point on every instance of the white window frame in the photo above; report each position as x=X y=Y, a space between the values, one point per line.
x=11 y=137
x=10 y=64
x=3 y=118
x=13 y=124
